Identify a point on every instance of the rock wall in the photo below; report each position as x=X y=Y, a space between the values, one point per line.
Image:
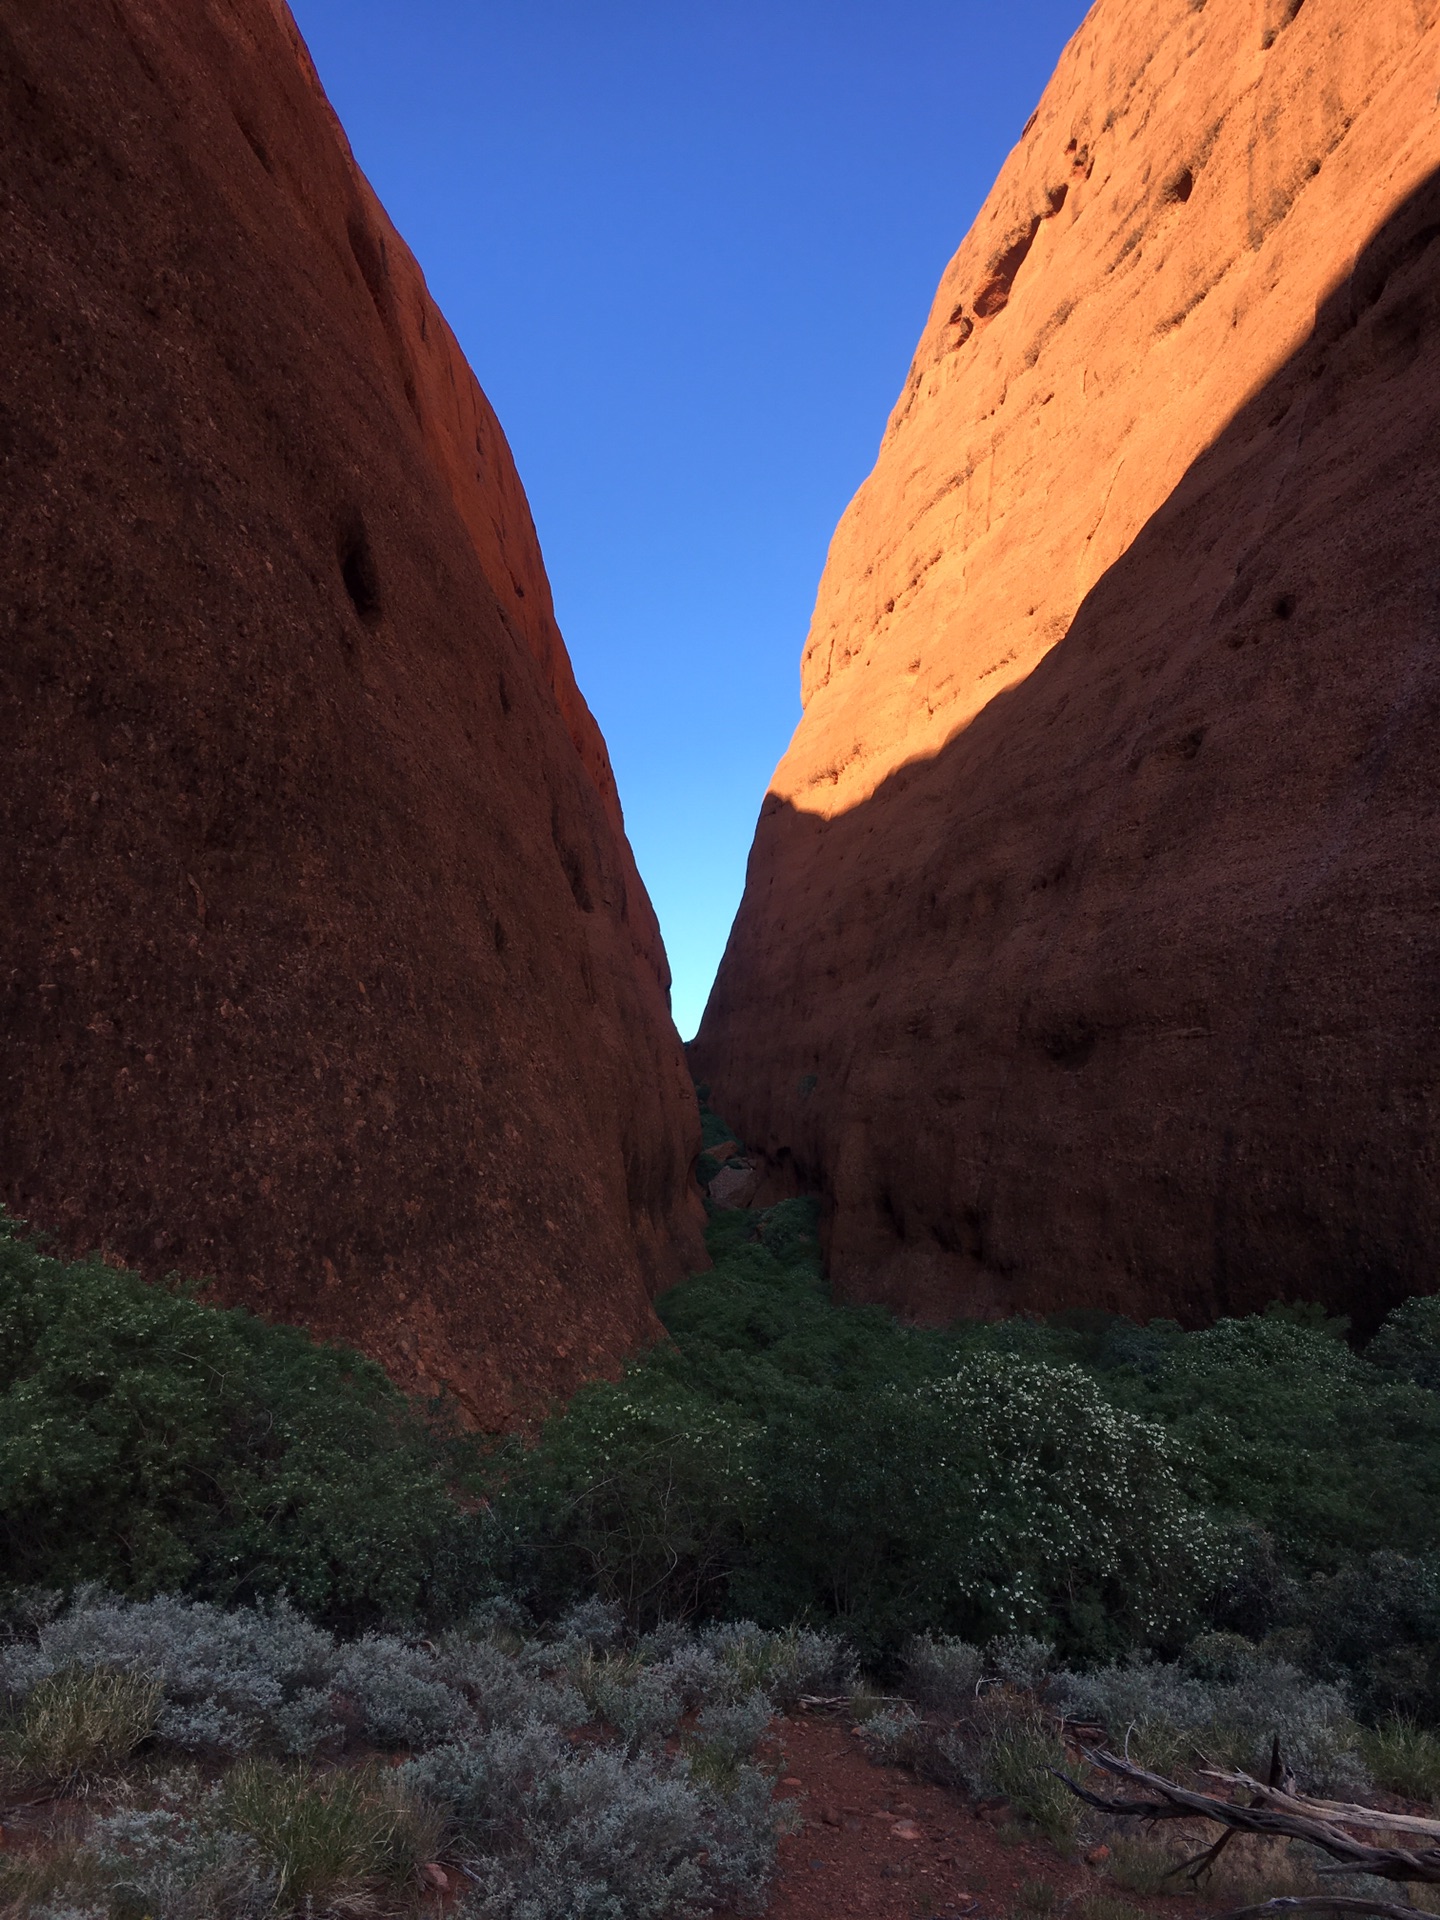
x=1089 y=948
x=325 y=969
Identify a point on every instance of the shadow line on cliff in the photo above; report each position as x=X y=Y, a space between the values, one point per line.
x=1100 y=940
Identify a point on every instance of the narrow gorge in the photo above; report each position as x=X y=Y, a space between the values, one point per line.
x=965 y=1431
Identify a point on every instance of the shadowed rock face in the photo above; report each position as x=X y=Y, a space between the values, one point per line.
x=1089 y=948
x=324 y=965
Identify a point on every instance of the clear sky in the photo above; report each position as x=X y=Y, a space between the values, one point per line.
x=688 y=250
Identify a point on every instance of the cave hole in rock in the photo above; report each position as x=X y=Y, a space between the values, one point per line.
x=357 y=570
x=1280 y=18
x=1070 y=1045
x=255 y=143
x=370 y=257
x=1179 y=186
x=572 y=863
x=1284 y=606
x=995 y=293
x=575 y=874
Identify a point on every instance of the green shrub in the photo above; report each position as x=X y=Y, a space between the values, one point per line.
x=558 y=1803
x=1359 y=1469
x=713 y=1130
x=724 y=1737
x=77 y=1725
x=638 y=1491
x=169 y=1862
x=788 y=1459
x=550 y=1830
x=1407 y=1344
x=151 y=1442
x=1021 y=1753
x=943 y=1673
x=1005 y=1743
x=784 y=1665
x=1226 y=1700
x=782 y=1459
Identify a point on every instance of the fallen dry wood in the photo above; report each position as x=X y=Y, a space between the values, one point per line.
x=1336 y=1813
x=1273 y=1810
x=1329 y=1903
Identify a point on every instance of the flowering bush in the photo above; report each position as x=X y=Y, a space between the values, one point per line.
x=790 y=1460
x=1075 y=1512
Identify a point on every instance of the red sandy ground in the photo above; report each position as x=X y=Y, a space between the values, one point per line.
x=853 y=1857
x=876 y=1843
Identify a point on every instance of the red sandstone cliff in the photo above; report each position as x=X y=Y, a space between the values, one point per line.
x=1090 y=944
x=324 y=965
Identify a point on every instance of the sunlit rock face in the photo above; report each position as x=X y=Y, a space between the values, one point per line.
x=1090 y=945
x=324 y=965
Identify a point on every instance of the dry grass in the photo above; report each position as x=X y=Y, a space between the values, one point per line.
x=77 y=1727
x=344 y=1842
x=1022 y=1754
x=1404 y=1758
x=865 y=1703
x=58 y=1875
x=1037 y=1900
x=1144 y=1863
x=1105 y=1906
x=1256 y=1867
x=1252 y=1868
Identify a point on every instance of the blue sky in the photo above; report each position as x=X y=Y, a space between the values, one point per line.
x=688 y=250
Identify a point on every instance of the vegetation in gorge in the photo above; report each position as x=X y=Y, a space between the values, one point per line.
x=151 y=1442
x=1106 y=1488
x=570 y=1775
x=574 y=1641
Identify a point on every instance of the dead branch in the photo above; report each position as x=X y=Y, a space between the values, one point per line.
x=1328 y=1903
x=1272 y=1811
x=1336 y=1813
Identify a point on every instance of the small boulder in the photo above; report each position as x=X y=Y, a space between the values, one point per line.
x=734 y=1186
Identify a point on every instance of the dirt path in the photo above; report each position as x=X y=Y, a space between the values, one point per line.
x=878 y=1843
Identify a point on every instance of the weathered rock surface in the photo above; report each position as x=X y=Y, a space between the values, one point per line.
x=324 y=964
x=1090 y=945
